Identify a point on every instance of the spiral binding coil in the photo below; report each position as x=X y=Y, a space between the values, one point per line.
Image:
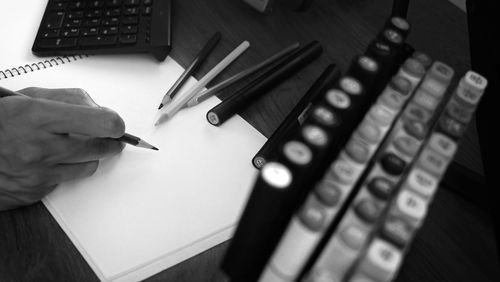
x=8 y=73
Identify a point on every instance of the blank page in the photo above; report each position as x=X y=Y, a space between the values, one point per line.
x=143 y=210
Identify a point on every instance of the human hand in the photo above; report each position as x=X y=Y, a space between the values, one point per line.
x=59 y=135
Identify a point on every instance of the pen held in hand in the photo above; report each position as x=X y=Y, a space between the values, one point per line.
x=197 y=61
x=204 y=95
x=126 y=138
x=136 y=141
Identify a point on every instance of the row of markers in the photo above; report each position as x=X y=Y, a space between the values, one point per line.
x=348 y=190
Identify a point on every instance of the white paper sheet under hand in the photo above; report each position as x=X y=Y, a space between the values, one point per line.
x=143 y=210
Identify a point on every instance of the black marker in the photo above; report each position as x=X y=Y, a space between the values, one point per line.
x=296 y=115
x=227 y=108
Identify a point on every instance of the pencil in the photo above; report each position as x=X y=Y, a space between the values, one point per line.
x=293 y=120
x=197 y=61
x=126 y=138
x=205 y=94
x=242 y=98
x=179 y=101
x=136 y=141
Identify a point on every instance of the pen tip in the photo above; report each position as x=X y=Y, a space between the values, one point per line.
x=161 y=106
x=154 y=148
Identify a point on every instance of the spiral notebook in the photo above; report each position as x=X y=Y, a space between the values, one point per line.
x=142 y=211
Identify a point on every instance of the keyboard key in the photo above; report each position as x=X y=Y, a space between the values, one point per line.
x=58 y=43
x=78 y=5
x=58 y=5
x=111 y=22
x=131 y=11
x=92 y=23
x=113 y=3
x=93 y=14
x=73 y=23
x=54 y=20
x=90 y=31
x=109 y=30
x=128 y=39
x=146 y=11
x=51 y=33
x=131 y=2
x=74 y=15
x=129 y=29
x=73 y=32
x=112 y=13
x=130 y=20
x=98 y=41
x=96 y=4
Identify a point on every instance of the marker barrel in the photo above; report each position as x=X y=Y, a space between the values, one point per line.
x=293 y=120
x=229 y=107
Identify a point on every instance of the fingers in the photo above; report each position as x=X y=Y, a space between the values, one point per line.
x=65 y=149
x=58 y=117
x=74 y=96
x=67 y=172
x=75 y=149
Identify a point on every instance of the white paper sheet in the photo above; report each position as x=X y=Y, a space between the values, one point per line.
x=144 y=211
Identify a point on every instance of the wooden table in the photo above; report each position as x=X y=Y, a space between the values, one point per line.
x=456 y=242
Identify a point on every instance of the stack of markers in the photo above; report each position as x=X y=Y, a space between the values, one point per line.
x=344 y=194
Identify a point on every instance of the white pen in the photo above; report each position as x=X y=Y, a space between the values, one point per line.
x=180 y=100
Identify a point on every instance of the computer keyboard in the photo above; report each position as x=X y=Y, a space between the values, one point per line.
x=71 y=27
